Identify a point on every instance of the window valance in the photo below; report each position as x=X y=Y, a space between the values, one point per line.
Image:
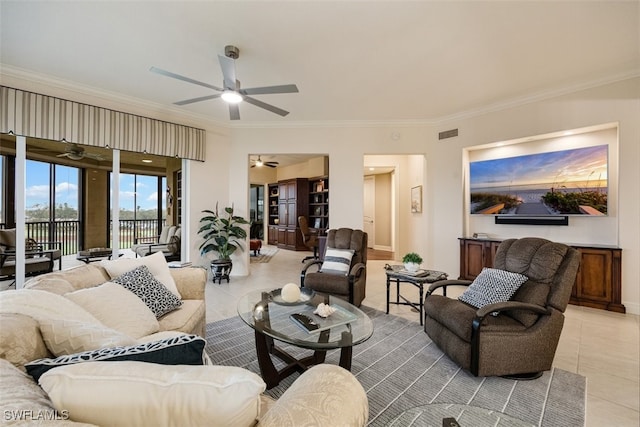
x=46 y=117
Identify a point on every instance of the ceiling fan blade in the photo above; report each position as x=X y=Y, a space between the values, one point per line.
x=201 y=98
x=228 y=66
x=234 y=112
x=266 y=106
x=269 y=89
x=270 y=165
x=93 y=156
x=183 y=78
x=62 y=155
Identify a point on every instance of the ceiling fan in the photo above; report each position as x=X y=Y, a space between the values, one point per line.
x=259 y=163
x=75 y=152
x=231 y=91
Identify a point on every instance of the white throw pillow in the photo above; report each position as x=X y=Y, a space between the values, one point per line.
x=69 y=336
x=337 y=261
x=65 y=326
x=117 y=308
x=148 y=394
x=156 y=263
x=492 y=285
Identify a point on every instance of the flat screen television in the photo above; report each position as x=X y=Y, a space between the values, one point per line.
x=554 y=183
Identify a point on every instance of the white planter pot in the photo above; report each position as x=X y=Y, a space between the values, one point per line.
x=411 y=266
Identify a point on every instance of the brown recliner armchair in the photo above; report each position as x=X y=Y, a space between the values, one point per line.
x=352 y=284
x=521 y=340
x=309 y=239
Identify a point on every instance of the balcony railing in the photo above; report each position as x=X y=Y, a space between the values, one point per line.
x=68 y=232
x=131 y=230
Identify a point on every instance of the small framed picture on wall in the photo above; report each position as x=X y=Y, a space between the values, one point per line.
x=416 y=199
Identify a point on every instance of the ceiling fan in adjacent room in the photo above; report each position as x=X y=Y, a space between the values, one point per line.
x=75 y=152
x=231 y=91
x=259 y=163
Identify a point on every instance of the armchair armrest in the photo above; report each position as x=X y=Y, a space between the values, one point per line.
x=510 y=305
x=190 y=281
x=322 y=386
x=306 y=267
x=444 y=283
x=357 y=269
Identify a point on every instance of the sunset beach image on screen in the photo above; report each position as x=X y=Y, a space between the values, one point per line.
x=566 y=182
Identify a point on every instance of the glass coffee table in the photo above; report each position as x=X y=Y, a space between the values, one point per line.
x=269 y=316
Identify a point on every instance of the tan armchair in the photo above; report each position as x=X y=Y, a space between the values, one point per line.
x=168 y=242
x=521 y=340
x=350 y=285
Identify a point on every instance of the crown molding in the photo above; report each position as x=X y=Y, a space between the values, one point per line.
x=202 y=121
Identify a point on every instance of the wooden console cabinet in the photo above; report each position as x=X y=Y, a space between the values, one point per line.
x=599 y=280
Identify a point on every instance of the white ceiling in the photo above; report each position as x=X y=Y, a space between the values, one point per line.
x=380 y=61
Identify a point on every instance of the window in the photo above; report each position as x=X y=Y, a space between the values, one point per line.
x=143 y=207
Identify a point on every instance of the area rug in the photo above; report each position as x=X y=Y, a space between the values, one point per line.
x=400 y=368
x=265 y=255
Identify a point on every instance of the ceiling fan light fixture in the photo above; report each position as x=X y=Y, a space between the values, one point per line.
x=231 y=96
x=259 y=162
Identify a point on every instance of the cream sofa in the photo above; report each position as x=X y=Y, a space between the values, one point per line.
x=139 y=393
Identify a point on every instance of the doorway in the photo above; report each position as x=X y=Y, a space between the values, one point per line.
x=379 y=211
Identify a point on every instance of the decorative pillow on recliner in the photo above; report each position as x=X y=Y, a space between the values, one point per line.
x=491 y=286
x=178 y=350
x=337 y=261
x=152 y=292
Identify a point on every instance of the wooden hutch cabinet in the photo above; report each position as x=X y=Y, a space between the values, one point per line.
x=598 y=283
x=293 y=201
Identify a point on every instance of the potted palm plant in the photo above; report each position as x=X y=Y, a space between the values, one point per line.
x=222 y=233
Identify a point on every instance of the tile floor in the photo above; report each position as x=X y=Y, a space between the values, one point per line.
x=603 y=346
x=600 y=345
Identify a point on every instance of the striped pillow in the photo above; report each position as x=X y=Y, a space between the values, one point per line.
x=337 y=261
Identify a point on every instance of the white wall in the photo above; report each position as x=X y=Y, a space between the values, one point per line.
x=617 y=102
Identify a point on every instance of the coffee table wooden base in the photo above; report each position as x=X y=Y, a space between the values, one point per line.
x=265 y=347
